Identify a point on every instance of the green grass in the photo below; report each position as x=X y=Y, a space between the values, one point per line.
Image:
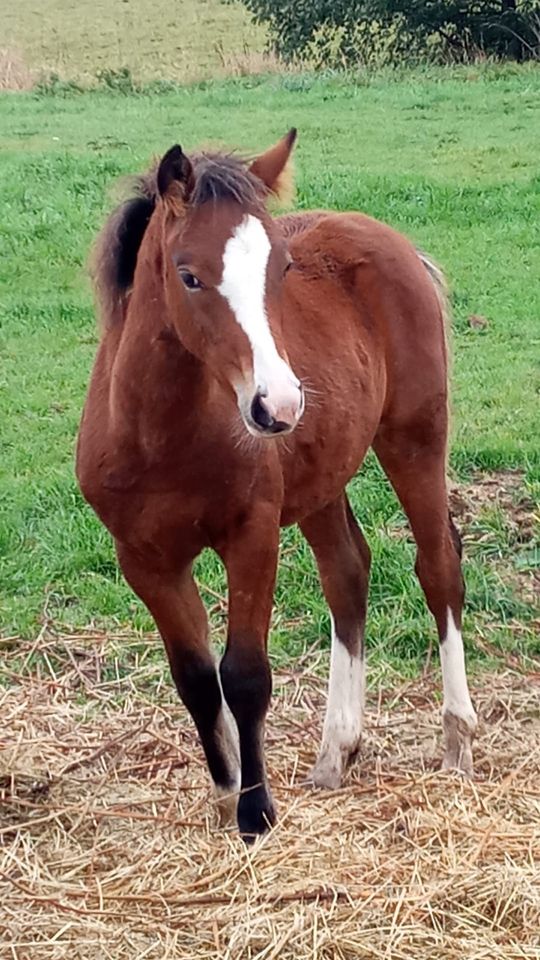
x=449 y=157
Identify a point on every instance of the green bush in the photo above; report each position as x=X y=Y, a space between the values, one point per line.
x=367 y=43
x=51 y=84
x=119 y=81
x=351 y=32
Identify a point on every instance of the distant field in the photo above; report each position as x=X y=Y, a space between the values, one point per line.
x=451 y=158
x=181 y=41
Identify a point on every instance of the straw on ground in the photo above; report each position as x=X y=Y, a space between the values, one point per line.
x=109 y=845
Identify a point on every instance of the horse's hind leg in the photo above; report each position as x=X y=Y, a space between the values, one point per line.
x=343 y=559
x=175 y=604
x=415 y=462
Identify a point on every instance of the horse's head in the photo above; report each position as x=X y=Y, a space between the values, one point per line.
x=224 y=266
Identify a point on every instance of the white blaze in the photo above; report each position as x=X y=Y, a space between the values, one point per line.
x=243 y=283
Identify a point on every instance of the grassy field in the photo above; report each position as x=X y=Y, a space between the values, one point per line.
x=184 y=41
x=450 y=158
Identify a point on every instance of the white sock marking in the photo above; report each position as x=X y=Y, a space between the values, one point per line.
x=344 y=713
x=456 y=691
x=228 y=740
x=243 y=284
x=343 y=721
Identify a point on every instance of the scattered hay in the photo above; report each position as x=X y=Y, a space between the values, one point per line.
x=109 y=848
x=502 y=489
x=503 y=492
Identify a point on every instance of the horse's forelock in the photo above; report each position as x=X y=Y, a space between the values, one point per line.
x=221 y=176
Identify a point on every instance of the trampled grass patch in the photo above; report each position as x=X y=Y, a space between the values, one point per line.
x=450 y=158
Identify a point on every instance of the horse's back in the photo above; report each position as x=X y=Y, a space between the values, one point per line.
x=367 y=257
x=376 y=295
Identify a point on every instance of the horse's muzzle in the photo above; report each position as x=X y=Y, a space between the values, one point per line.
x=271 y=416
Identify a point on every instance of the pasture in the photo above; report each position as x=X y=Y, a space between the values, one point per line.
x=109 y=843
x=450 y=160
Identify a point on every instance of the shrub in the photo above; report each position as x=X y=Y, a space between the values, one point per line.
x=119 y=81
x=344 y=32
x=54 y=86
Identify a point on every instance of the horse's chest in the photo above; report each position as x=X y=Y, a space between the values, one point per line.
x=178 y=506
x=316 y=471
x=169 y=523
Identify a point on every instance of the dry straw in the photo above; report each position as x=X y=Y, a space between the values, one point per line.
x=109 y=846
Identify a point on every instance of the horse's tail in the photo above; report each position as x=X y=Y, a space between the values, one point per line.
x=443 y=296
x=439 y=282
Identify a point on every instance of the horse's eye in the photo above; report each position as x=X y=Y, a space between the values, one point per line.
x=288 y=266
x=190 y=280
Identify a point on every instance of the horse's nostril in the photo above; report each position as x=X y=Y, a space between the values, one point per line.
x=260 y=414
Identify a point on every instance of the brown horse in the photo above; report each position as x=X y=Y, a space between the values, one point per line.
x=220 y=325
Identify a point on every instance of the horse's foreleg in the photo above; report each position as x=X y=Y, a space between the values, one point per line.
x=417 y=472
x=176 y=606
x=343 y=559
x=250 y=558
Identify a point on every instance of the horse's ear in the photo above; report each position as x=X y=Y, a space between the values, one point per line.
x=274 y=167
x=175 y=174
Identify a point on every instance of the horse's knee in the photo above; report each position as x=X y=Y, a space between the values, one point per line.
x=247 y=683
x=197 y=683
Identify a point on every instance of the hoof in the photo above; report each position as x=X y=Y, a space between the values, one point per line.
x=256 y=813
x=332 y=763
x=459 y=764
x=458 y=737
x=327 y=772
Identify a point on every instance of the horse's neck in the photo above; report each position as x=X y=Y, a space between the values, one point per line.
x=156 y=386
